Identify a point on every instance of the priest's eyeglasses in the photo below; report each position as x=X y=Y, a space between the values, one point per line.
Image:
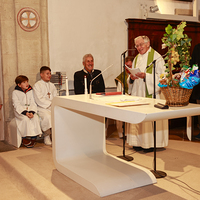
x=140 y=45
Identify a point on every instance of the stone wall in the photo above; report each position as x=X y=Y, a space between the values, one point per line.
x=22 y=52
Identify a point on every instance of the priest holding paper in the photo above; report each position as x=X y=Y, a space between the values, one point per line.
x=141 y=84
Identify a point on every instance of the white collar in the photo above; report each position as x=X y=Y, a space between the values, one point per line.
x=45 y=81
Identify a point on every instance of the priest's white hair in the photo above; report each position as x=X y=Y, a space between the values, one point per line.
x=144 y=37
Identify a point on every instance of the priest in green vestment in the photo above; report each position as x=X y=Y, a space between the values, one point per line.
x=141 y=135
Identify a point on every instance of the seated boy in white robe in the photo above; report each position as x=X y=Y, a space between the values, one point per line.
x=25 y=110
x=44 y=92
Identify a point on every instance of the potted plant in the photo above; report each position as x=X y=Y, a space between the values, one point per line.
x=175 y=86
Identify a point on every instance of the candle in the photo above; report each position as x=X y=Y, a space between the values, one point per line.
x=67 y=88
x=85 y=82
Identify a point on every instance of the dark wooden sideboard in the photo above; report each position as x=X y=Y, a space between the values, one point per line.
x=155 y=29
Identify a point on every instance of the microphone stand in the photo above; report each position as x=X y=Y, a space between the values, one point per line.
x=124 y=157
x=95 y=78
x=157 y=174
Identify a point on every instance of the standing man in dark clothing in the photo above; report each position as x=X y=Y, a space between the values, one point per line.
x=195 y=97
x=90 y=73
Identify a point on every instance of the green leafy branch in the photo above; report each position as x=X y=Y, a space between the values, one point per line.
x=178 y=45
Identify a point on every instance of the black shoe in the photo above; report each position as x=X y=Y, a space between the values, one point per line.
x=148 y=150
x=197 y=137
x=137 y=148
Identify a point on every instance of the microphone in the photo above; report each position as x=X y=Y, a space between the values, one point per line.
x=155 y=60
x=95 y=78
x=127 y=50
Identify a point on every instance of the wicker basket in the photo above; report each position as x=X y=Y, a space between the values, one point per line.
x=176 y=96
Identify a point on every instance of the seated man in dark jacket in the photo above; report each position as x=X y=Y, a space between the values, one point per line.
x=90 y=73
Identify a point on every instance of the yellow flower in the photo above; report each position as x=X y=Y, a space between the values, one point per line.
x=162 y=76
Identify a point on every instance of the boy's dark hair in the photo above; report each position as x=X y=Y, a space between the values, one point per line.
x=21 y=78
x=44 y=68
x=129 y=58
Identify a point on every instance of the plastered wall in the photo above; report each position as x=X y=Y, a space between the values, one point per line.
x=22 y=52
x=91 y=26
x=94 y=26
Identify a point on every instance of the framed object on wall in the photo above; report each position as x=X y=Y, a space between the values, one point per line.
x=28 y=19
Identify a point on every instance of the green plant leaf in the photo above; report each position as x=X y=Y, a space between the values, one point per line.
x=173 y=37
x=167 y=70
x=168 y=29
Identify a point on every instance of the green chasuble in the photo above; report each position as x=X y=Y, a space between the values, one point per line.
x=120 y=78
x=149 y=69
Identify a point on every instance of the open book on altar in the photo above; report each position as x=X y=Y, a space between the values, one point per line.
x=133 y=71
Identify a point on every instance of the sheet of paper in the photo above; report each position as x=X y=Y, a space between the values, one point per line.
x=133 y=71
x=128 y=103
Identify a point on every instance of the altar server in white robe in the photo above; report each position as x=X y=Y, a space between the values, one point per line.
x=44 y=92
x=141 y=135
x=25 y=110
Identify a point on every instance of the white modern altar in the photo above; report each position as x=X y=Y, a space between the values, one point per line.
x=79 y=152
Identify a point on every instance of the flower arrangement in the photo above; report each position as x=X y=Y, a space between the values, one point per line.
x=177 y=87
